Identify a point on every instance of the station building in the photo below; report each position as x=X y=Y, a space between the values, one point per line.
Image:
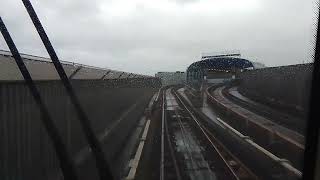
x=216 y=69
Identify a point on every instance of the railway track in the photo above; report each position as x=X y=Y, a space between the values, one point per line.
x=189 y=150
x=282 y=142
x=238 y=169
x=283 y=119
x=167 y=152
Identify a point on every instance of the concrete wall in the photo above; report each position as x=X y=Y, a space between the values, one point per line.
x=287 y=86
x=26 y=151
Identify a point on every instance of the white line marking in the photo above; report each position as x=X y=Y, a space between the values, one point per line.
x=135 y=162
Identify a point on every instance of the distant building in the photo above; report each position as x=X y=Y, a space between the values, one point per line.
x=216 y=69
x=171 y=78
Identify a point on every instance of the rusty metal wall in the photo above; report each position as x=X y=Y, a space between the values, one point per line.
x=26 y=151
x=286 y=85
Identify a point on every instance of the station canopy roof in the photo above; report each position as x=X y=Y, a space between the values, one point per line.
x=220 y=63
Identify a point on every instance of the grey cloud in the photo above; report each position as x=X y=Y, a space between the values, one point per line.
x=148 y=40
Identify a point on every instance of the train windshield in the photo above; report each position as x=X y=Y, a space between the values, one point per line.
x=137 y=89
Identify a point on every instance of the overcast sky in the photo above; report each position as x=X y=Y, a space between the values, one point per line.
x=146 y=36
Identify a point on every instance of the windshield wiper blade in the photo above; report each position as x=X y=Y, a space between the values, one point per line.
x=65 y=161
x=94 y=144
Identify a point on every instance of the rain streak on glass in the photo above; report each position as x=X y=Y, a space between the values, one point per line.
x=138 y=89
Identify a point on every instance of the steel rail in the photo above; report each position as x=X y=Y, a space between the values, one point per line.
x=277 y=118
x=162 y=137
x=209 y=139
x=266 y=126
x=296 y=148
x=285 y=164
x=229 y=153
x=225 y=149
x=166 y=130
x=184 y=132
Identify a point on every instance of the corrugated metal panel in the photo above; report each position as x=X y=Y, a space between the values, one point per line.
x=124 y=75
x=113 y=75
x=42 y=68
x=9 y=69
x=45 y=70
